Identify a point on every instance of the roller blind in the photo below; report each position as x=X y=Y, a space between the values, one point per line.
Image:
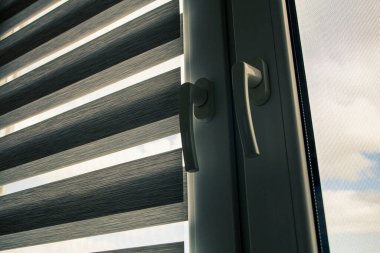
x=81 y=80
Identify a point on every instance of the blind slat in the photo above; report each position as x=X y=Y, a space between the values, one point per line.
x=107 y=224
x=140 y=184
x=97 y=81
x=114 y=143
x=61 y=19
x=144 y=33
x=24 y=14
x=42 y=66
x=163 y=248
x=140 y=104
x=74 y=34
x=8 y=8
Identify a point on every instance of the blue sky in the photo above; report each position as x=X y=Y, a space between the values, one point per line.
x=368 y=180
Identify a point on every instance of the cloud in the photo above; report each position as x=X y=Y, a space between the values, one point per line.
x=342 y=60
x=344 y=132
x=352 y=212
x=340 y=41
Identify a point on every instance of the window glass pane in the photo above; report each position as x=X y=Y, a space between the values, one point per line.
x=341 y=49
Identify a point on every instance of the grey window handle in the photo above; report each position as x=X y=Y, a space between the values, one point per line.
x=196 y=100
x=249 y=84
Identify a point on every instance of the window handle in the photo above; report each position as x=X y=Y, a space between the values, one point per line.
x=249 y=84
x=195 y=100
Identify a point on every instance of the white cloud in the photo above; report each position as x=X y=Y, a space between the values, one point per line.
x=340 y=42
x=343 y=132
x=352 y=212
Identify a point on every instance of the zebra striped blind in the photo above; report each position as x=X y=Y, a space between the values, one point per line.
x=82 y=80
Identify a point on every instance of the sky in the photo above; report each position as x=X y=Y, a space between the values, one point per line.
x=340 y=40
x=341 y=48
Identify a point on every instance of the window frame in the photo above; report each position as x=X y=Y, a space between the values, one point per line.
x=210 y=52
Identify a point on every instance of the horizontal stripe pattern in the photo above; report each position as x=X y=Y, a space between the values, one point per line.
x=141 y=104
x=42 y=68
x=99 y=80
x=25 y=14
x=8 y=8
x=163 y=248
x=146 y=32
x=144 y=183
x=102 y=225
x=68 y=15
x=114 y=143
x=87 y=27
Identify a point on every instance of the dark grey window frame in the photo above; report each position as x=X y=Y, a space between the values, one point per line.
x=228 y=213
